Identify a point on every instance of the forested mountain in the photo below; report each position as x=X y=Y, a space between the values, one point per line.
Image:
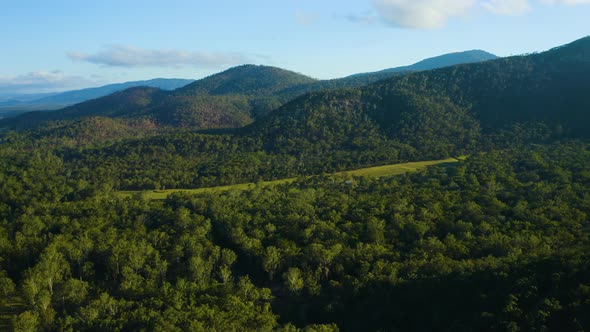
x=229 y=99
x=446 y=107
x=247 y=80
x=62 y=99
x=232 y=98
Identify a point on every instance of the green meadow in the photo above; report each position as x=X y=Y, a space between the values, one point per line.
x=377 y=171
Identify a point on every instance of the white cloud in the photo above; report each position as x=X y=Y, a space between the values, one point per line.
x=129 y=56
x=421 y=14
x=432 y=14
x=42 y=81
x=507 y=7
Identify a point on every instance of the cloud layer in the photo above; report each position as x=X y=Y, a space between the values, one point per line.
x=432 y=14
x=129 y=56
x=422 y=14
x=41 y=81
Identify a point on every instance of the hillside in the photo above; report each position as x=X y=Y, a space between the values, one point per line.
x=444 y=109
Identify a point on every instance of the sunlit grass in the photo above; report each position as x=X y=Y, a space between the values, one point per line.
x=378 y=171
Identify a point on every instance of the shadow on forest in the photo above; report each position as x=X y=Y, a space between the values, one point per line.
x=529 y=297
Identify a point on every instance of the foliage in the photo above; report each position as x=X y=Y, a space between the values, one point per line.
x=499 y=241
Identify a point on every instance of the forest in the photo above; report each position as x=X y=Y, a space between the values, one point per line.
x=496 y=241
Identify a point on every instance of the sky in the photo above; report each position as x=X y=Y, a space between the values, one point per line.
x=62 y=45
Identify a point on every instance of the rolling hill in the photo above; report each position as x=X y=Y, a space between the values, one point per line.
x=447 y=108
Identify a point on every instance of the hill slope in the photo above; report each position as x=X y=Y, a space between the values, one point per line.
x=442 y=110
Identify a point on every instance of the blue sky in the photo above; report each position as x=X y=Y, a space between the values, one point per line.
x=62 y=45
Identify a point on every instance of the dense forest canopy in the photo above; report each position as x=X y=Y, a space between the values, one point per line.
x=496 y=241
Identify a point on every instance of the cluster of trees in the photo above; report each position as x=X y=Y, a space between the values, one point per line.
x=499 y=241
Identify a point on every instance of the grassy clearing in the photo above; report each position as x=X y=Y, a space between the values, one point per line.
x=378 y=171
x=397 y=169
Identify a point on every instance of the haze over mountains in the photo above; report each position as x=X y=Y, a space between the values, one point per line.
x=441 y=61
x=248 y=92
x=51 y=101
x=490 y=94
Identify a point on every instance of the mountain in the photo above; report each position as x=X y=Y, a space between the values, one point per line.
x=77 y=96
x=247 y=80
x=440 y=61
x=60 y=100
x=443 y=111
x=447 y=60
x=233 y=98
x=6 y=98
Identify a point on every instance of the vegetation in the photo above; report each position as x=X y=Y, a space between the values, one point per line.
x=500 y=241
x=378 y=171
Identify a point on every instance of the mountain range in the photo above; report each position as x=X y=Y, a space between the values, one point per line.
x=51 y=101
x=232 y=98
x=432 y=112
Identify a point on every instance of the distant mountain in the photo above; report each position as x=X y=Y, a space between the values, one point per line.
x=233 y=98
x=60 y=100
x=77 y=96
x=19 y=97
x=445 y=60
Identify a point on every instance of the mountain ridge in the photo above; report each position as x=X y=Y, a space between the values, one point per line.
x=444 y=60
x=233 y=98
x=63 y=99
